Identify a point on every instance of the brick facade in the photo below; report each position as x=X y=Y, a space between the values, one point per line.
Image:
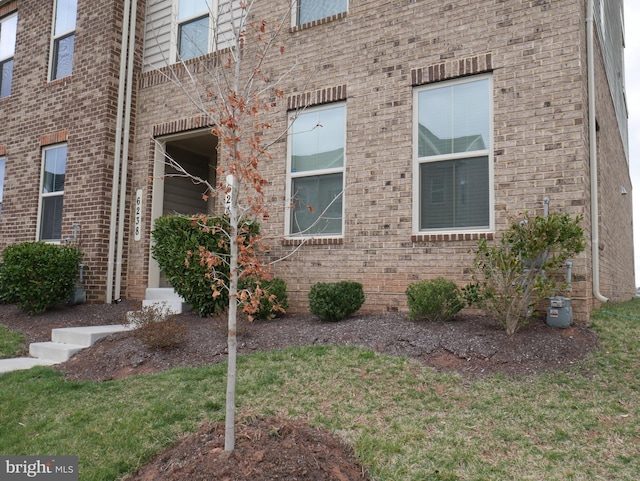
x=78 y=110
x=371 y=58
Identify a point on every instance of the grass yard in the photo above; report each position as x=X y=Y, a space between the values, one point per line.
x=12 y=343
x=406 y=422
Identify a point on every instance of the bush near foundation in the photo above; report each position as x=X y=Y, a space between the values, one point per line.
x=158 y=329
x=37 y=275
x=335 y=301
x=181 y=248
x=523 y=267
x=262 y=298
x=434 y=300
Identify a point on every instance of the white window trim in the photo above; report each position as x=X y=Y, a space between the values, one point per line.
x=313 y=173
x=12 y=56
x=211 y=42
x=42 y=195
x=2 y=20
x=54 y=37
x=294 y=13
x=417 y=162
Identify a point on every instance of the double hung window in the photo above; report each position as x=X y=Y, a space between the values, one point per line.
x=194 y=29
x=310 y=10
x=64 y=37
x=316 y=172
x=52 y=193
x=453 y=141
x=8 y=30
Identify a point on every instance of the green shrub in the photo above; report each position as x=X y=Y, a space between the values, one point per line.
x=272 y=300
x=335 y=301
x=37 y=275
x=179 y=243
x=514 y=273
x=435 y=300
x=157 y=329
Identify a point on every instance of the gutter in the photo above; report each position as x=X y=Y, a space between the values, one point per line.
x=117 y=156
x=593 y=157
x=125 y=148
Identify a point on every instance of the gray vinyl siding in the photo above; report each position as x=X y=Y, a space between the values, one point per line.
x=157 y=35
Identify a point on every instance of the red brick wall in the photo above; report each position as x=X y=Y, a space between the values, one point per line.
x=81 y=110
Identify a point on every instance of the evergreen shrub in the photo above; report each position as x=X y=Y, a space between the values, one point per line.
x=335 y=301
x=434 y=300
x=38 y=275
x=179 y=245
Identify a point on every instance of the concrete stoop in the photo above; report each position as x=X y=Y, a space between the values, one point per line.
x=65 y=342
x=165 y=298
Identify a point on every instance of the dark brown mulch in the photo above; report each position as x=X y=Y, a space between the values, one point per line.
x=284 y=449
x=265 y=450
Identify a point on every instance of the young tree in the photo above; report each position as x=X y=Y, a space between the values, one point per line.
x=235 y=94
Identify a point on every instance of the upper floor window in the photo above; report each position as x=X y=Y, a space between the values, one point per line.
x=194 y=30
x=316 y=172
x=3 y=162
x=310 y=10
x=54 y=166
x=452 y=141
x=64 y=35
x=8 y=29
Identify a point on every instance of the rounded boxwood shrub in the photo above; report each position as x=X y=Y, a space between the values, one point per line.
x=335 y=301
x=274 y=300
x=434 y=300
x=37 y=275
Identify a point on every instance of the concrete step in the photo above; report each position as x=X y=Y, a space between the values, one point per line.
x=85 y=336
x=162 y=294
x=21 y=363
x=66 y=342
x=170 y=307
x=167 y=298
x=54 y=351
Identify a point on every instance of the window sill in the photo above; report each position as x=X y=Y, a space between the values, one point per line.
x=314 y=241
x=59 y=81
x=462 y=236
x=320 y=21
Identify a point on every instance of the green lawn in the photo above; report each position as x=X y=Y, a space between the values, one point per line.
x=12 y=343
x=406 y=421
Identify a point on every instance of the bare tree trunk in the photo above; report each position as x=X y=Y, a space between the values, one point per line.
x=232 y=341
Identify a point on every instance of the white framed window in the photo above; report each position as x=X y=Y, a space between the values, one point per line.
x=315 y=172
x=8 y=30
x=309 y=10
x=54 y=166
x=453 y=141
x=3 y=165
x=64 y=38
x=194 y=28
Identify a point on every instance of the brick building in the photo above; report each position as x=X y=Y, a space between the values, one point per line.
x=441 y=121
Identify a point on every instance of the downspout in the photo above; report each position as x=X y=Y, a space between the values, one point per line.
x=117 y=154
x=593 y=157
x=125 y=148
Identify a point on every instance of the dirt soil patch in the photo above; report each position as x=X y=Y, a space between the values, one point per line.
x=274 y=448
